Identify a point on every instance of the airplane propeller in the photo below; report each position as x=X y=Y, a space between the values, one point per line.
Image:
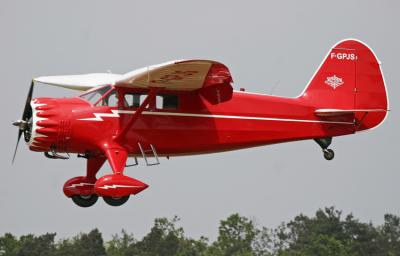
x=24 y=124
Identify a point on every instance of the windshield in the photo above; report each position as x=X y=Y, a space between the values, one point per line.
x=96 y=95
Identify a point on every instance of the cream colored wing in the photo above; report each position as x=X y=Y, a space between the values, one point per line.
x=186 y=75
x=79 y=82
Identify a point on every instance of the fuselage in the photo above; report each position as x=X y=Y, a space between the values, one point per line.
x=190 y=125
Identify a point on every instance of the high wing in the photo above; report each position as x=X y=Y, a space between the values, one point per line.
x=79 y=82
x=184 y=75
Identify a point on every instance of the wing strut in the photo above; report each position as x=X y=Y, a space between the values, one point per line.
x=150 y=96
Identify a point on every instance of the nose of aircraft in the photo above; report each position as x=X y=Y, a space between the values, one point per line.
x=50 y=128
x=43 y=124
x=25 y=124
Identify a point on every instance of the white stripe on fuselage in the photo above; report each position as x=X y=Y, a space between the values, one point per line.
x=115 y=113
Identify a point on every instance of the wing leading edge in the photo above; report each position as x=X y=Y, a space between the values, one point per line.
x=79 y=82
x=185 y=75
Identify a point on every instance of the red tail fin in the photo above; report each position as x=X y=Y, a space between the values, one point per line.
x=350 y=81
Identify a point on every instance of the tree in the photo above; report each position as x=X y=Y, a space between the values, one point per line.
x=37 y=246
x=82 y=245
x=121 y=245
x=9 y=245
x=164 y=238
x=265 y=243
x=328 y=233
x=360 y=238
x=236 y=237
x=192 y=247
x=319 y=245
x=27 y=245
x=390 y=235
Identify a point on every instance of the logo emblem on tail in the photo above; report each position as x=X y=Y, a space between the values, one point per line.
x=334 y=81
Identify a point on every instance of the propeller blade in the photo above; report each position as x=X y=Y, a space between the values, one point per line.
x=28 y=102
x=21 y=124
x=16 y=147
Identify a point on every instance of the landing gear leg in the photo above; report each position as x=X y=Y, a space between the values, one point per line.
x=93 y=165
x=324 y=143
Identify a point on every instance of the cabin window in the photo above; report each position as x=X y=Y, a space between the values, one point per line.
x=167 y=101
x=134 y=100
x=163 y=101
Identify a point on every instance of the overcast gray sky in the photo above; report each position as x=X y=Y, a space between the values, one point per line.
x=265 y=43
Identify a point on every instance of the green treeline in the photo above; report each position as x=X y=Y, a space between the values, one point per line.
x=327 y=233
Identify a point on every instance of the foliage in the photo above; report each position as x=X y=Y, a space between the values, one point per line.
x=236 y=235
x=328 y=233
x=81 y=245
x=164 y=238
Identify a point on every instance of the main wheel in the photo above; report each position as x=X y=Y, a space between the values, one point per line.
x=85 y=201
x=115 y=201
x=329 y=154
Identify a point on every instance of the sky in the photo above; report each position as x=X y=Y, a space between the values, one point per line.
x=269 y=46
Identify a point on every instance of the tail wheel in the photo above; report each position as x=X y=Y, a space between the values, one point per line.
x=85 y=201
x=115 y=201
x=329 y=154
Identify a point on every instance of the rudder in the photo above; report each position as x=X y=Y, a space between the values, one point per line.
x=350 y=80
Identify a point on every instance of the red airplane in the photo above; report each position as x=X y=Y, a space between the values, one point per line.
x=189 y=107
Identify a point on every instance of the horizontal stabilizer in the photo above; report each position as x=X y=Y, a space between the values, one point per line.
x=326 y=112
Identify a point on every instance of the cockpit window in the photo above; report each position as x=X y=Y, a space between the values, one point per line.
x=110 y=99
x=96 y=95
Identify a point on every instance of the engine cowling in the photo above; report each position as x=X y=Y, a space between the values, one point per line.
x=50 y=126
